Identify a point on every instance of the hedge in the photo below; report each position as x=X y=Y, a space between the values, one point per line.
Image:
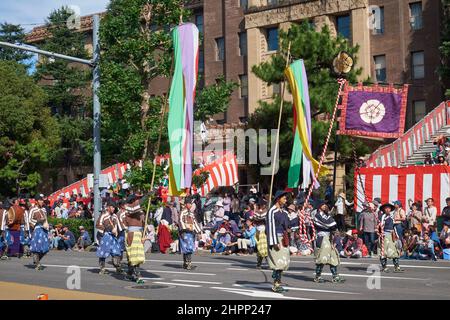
x=73 y=225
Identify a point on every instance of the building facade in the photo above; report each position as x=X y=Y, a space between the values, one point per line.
x=398 y=41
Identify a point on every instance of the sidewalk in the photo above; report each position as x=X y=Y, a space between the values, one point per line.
x=16 y=291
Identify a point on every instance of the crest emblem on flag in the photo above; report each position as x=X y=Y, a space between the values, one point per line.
x=373 y=111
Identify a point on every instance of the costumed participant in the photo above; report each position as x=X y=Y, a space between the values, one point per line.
x=25 y=234
x=277 y=223
x=325 y=252
x=388 y=236
x=189 y=227
x=107 y=225
x=39 y=244
x=5 y=237
x=16 y=223
x=135 y=220
x=259 y=221
x=122 y=227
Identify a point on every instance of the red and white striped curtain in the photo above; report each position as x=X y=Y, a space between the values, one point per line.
x=399 y=151
x=417 y=183
x=222 y=173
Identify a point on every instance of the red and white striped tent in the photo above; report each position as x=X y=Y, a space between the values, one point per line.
x=222 y=173
x=114 y=173
x=417 y=183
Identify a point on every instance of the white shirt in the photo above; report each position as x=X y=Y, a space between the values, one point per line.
x=431 y=214
x=340 y=205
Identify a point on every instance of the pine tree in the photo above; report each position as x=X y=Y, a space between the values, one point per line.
x=318 y=50
x=12 y=33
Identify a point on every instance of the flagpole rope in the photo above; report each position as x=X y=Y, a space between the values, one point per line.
x=342 y=83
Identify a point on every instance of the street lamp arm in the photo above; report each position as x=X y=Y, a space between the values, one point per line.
x=47 y=53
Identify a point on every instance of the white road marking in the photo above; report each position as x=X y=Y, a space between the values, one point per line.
x=152 y=278
x=371 y=275
x=160 y=271
x=179 y=284
x=237 y=269
x=196 y=262
x=425 y=267
x=180 y=272
x=194 y=281
x=258 y=293
x=267 y=285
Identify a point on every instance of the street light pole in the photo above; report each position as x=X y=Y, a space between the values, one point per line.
x=97 y=119
x=94 y=63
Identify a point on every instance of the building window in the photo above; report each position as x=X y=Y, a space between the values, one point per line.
x=272 y=39
x=418 y=66
x=378 y=20
x=415 y=15
x=243 y=84
x=419 y=110
x=276 y=88
x=243 y=43
x=272 y=2
x=243 y=4
x=220 y=49
x=343 y=26
x=201 y=61
x=380 y=68
x=199 y=22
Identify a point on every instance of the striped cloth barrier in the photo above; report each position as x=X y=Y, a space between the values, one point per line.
x=417 y=183
x=402 y=148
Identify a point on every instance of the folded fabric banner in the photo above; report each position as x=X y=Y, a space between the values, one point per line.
x=181 y=103
x=296 y=75
x=373 y=111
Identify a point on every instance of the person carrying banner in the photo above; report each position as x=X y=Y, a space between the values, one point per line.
x=388 y=236
x=39 y=244
x=188 y=228
x=259 y=221
x=122 y=226
x=277 y=222
x=107 y=225
x=325 y=252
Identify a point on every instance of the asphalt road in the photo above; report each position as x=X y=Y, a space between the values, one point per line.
x=233 y=277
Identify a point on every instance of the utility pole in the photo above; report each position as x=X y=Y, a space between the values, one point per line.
x=97 y=119
x=94 y=63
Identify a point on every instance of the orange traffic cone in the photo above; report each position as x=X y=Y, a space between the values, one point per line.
x=42 y=296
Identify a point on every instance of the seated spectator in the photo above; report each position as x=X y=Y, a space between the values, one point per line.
x=84 y=240
x=444 y=237
x=446 y=211
x=410 y=241
x=338 y=243
x=428 y=160
x=68 y=240
x=150 y=239
x=441 y=159
x=425 y=248
x=353 y=247
x=221 y=242
x=56 y=237
x=415 y=217
x=248 y=242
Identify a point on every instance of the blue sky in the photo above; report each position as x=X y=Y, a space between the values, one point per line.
x=31 y=13
x=36 y=11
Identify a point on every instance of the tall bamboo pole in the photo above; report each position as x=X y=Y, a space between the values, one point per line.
x=283 y=90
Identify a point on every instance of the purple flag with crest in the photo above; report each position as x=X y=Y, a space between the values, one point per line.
x=373 y=111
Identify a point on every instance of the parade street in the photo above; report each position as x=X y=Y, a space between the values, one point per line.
x=219 y=277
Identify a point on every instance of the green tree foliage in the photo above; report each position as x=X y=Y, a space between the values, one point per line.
x=318 y=50
x=140 y=178
x=13 y=34
x=213 y=99
x=67 y=86
x=137 y=49
x=29 y=135
x=444 y=70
